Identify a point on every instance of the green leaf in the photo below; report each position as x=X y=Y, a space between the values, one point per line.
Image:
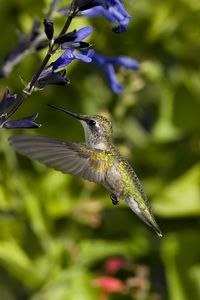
x=181 y=197
x=16 y=261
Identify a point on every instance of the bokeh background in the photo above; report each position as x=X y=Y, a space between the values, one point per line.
x=60 y=237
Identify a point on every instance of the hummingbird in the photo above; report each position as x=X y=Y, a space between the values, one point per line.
x=96 y=160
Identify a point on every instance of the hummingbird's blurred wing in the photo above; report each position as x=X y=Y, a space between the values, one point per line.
x=70 y=158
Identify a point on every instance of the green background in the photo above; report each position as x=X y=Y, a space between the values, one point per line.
x=57 y=231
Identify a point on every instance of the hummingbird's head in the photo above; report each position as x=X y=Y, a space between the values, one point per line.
x=98 y=129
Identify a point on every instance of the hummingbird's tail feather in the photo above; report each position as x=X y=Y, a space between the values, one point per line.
x=144 y=215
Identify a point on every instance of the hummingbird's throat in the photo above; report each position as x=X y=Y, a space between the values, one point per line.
x=100 y=146
x=94 y=141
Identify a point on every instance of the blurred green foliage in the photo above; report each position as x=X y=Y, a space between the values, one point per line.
x=56 y=231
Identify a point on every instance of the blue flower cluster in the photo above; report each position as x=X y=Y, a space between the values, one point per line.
x=71 y=42
x=113 y=11
x=6 y=102
x=107 y=64
x=70 y=54
x=73 y=47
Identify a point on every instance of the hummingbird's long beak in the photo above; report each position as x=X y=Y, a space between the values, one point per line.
x=77 y=116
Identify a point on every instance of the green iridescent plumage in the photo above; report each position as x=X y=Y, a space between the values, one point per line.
x=97 y=160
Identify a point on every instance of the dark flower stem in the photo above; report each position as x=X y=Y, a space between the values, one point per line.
x=30 y=87
x=37 y=74
x=67 y=24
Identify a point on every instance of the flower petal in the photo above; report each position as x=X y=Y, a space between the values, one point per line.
x=83 y=58
x=113 y=10
x=98 y=11
x=53 y=78
x=64 y=60
x=27 y=122
x=112 y=79
x=126 y=62
x=83 y=33
x=109 y=284
x=6 y=101
x=69 y=55
x=108 y=63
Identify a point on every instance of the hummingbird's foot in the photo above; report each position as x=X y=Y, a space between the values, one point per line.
x=114 y=199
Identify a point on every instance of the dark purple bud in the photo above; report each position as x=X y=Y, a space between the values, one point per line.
x=27 y=122
x=68 y=37
x=82 y=5
x=83 y=45
x=73 y=40
x=53 y=78
x=6 y=101
x=48 y=29
x=75 y=45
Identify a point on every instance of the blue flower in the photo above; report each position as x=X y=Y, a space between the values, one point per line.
x=70 y=41
x=68 y=56
x=83 y=33
x=52 y=78
x=6 y=102
x=27 y=122
x=73 y=40
x=107 y=64
x=113 y=10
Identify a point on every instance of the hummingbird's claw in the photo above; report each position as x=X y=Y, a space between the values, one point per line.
x=114 y=199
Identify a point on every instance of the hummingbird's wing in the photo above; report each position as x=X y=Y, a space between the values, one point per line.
x=70 y=158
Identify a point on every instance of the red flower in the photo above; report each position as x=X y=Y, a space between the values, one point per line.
x=113 y=265
x=108 y=285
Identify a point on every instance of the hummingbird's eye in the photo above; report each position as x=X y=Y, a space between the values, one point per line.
x=92 y=122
